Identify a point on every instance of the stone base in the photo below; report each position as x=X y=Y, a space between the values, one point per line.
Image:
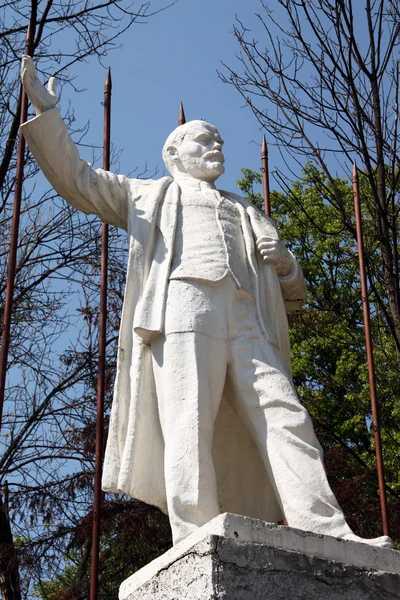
x=235 y=557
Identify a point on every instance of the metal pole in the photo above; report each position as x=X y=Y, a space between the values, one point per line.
x=370 y=354
x=94 y=578
x=181 y=118
x=12 y=259
x=265 y=177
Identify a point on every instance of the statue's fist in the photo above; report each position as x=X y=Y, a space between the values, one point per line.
x=275 y=253
x=42 y=99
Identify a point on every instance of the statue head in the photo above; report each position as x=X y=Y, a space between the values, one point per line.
x=194 y=148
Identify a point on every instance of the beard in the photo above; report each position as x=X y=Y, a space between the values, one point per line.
x=207 y=169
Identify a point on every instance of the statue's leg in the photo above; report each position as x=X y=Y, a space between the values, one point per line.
x=189 y=370
x=267 y=402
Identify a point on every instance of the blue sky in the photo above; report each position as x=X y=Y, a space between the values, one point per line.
x=175 y=56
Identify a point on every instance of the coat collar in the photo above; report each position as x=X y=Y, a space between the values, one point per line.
x=192 y=184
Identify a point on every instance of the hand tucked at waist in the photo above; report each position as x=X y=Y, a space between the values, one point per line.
x=275 y=253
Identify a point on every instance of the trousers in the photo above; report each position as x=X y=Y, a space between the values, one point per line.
x=212 y=332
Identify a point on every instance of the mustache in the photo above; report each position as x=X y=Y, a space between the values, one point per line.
x=215 y=154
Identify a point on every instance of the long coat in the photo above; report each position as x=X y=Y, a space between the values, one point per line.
x=147 y=210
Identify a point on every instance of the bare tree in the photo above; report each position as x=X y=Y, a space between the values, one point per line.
x=323 y=80
x=47 y=439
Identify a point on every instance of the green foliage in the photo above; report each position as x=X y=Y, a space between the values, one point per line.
x=133 y=534
x=328 y=343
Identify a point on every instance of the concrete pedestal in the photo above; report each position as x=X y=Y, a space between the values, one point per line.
x=235 y=557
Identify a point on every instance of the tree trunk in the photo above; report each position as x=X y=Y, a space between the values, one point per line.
x=9 y=576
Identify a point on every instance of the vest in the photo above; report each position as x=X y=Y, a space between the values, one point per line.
x=209 y=240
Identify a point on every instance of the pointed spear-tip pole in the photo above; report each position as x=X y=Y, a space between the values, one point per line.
x=265 y=177
x=12 y=259
x=94 y=577
x=181 y=118
x=370 y=354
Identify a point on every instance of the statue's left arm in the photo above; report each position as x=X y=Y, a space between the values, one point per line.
x=273 y=252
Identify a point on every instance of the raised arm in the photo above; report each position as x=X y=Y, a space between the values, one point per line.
x=93 y=191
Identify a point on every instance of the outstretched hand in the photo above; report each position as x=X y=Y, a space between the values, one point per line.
x=42 y=99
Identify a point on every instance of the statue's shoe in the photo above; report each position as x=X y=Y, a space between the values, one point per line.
x=383 y=541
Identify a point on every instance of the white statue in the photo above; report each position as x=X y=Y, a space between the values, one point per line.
x=205 y=418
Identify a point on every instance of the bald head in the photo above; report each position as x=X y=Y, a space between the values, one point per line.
x=194 y=149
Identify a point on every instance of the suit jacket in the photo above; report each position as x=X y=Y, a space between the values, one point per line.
x=134 y=454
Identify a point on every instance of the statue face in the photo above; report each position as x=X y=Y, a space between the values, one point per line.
x=200 y=153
